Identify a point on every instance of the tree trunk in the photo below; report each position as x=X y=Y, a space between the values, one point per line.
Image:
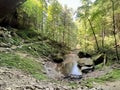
x=116 y=48
x=64 y=24
x=85 y=36
x=93 y=33
x=103 y=34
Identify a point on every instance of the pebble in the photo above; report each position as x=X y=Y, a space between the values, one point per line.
x=51 y=88
x=47 y=89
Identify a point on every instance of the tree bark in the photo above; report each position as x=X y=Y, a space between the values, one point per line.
x=116 y=48
x=103 y=34
x=93 y=33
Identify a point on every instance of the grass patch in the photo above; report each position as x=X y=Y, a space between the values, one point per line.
x=73 y=85
x=28 y=65
x=112 y=76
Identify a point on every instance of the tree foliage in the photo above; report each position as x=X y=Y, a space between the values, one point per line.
x=96 y=27
x=104 y=23
x=50 y=19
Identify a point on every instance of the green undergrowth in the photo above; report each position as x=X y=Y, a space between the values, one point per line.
x=109 y=77
x=27 y=65
x=27 y=34
x=38 y=49
x=37 y=44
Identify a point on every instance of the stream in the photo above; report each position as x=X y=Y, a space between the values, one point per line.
x=69 y=68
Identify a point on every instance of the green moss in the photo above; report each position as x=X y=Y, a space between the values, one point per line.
x=28 y=65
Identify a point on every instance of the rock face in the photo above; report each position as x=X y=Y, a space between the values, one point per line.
x=7 y=6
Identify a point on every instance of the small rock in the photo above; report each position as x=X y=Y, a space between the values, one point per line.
x=8 y=88
x=47 y=89
x=5 y=29
x=44 y=72
x=9 y=36
x=51 y=88
x=79 y=89
x=57 y=88
x=13 y=47
x=65 y=87
x=19 y=88
x=2 y=85
x=1 y=71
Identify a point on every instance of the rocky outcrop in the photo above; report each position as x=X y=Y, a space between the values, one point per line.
x=8 y=13
x=7 y=6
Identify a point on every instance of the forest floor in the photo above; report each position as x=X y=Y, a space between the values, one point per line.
x=15 y=79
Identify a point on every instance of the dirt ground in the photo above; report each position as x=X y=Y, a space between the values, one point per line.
x=14 y=79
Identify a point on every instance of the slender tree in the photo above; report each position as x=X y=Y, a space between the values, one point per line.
x=83 y=12
x=114 y=32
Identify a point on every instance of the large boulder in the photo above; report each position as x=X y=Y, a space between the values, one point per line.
x=86 y=64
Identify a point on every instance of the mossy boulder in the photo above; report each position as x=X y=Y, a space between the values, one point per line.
x=85 y=62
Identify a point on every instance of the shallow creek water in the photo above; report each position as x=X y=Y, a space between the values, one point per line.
x=68 y=68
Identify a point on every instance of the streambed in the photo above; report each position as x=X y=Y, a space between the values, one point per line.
x=69 y=68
